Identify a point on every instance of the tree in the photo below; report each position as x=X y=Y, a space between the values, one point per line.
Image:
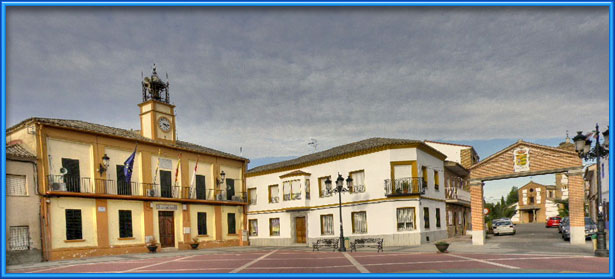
x=513 y=196
x=563 y=208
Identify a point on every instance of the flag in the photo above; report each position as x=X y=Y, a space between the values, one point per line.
x=179 y=160
x=157 y=166
x=193 y=189
x=128 y=165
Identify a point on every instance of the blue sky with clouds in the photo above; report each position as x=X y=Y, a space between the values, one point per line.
x=269 y=79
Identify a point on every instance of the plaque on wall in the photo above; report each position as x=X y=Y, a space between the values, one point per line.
x=166 y=206
x=521 y=158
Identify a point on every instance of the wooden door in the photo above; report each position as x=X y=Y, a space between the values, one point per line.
x=230 y=188
x=200 y=187
x=165 y=184
x=530 y=216
x=72 y=177
x=166 y=229
x=300 y=229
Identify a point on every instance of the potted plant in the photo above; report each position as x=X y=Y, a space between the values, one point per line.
x=406 y=186
x=152 y=245
x=195 y=243
x=442 y=246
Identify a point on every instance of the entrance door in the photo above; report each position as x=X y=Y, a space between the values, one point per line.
x=300 y=229
x=200 y=187
x=530 y=216
x=230 y=188
x=123 y=187
x=165 y=184
x=72 y=177
x=166 y=229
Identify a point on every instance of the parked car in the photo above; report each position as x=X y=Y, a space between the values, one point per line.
x=504 y=227
x=590 y=229
x=553 y=222
x=562 y=223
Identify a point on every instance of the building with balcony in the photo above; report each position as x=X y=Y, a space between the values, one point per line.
x=397 y=195
x=177 y=190
x=456 y=174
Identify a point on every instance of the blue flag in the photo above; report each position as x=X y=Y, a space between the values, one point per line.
x=128 y=165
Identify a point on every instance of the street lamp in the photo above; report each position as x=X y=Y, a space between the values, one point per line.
x=583 y=147
x=339 y=188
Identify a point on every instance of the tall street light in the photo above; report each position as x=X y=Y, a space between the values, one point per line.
x=339 y=188
x=583 y=147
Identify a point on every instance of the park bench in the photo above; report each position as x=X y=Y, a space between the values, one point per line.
x=367 y=242
x=326 y=242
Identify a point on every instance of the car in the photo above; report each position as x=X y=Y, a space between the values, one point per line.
x=553 y=222
x=504 y=227
x=590 y=229
x=562 y=223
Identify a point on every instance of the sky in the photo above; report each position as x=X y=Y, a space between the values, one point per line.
x=270 y=79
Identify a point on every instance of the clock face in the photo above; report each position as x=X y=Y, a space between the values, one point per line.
x=164 y=124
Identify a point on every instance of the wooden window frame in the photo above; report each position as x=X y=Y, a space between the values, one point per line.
x=438 y=215
x=350 y=175
x=271 y=227
x=250 y=227
x=425 y=176
x=436 y=180
x=426 y=216
x=228 y=223
x=352 y=214
x=127 y=233
x=322 y=186
x=250 y=196
x=413 y=221
x=322 y=224
x=269 y=193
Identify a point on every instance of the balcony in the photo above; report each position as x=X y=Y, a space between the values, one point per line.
x=66 y=184
x=404 y=186
x=456 y=194
x=357 y=189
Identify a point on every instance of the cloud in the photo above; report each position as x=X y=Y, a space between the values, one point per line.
x=268 y=79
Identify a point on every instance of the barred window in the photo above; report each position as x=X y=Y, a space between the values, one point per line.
x=326 y=224
x=125 y=223
x=16 y=185
x=73 y=224
x=253 y=227
x=437 y=217
x=359 y=222
x=201 y=223
x=405 y=219
x=426 y=216
x=19 y=238
x=231 y=223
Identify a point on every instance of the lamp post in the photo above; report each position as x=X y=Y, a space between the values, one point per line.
x=583 y=147
x=102 y=167
x=339 y=188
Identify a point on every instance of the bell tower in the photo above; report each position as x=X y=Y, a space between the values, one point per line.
x=157 y=114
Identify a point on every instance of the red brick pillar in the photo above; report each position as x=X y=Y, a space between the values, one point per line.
x=478 y=221
x=576 y=206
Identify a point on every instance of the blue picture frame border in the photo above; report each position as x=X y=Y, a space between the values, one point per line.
x=6 y=4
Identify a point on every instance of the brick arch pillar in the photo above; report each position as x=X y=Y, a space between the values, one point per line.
x=477 y=207
x=576 y=206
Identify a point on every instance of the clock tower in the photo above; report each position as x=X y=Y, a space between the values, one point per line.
x=157 y=114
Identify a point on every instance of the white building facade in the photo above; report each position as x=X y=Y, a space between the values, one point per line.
x=398 y=195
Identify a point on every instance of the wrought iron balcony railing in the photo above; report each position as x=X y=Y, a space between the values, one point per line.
x=404 y=186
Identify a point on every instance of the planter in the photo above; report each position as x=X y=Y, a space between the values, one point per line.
x=442 y=247
x=152 y=249
x=194 y=245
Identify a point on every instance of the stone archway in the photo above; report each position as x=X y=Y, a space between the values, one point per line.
x=526 y=159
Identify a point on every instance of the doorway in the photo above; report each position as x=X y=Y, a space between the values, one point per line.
x=166 y=229
x=300 y=229
x=530 y=216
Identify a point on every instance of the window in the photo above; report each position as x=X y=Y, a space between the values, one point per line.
x=16 y=185
x=19 y=238
x=274 y=194
x=274 y=226
x=253 y=227
x=252 y=195
x=307 y=189
x=326 y=224
x=450 y=217
x=292 y=190
x=531 y=200
x=125 y=223
x=359 y=222
x=201 y=218
x=231 y=223
x=123 y=187
x=436 y=180
x=405 y=219
x=424 y=173
x=437 y=217
x=201 y=193
x=426 y=216
x=322 y=188
x=358 y=181
x=73 y=224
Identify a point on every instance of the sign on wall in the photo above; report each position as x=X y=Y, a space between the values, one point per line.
x=521 y=158
x=166 y=207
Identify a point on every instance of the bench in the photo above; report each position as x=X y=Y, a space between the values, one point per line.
x=326 y=242
x=367 y=242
